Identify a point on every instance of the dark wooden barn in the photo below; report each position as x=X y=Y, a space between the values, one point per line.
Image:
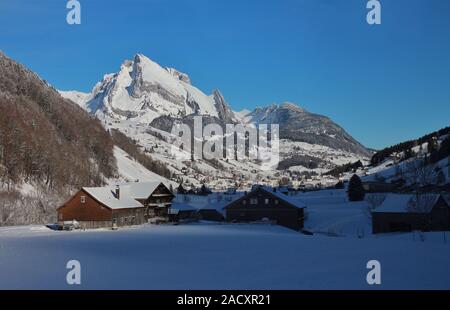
x=267 y=203
x=409 y=212
x=127 y=204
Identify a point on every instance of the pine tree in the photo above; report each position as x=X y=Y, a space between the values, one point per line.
x=407 y=154
x=432 y=145
x=355 y=189
x=204 y=191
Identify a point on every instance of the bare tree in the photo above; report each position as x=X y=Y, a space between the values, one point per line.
x=419 y=172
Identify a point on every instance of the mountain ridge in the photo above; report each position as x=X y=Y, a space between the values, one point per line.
x=144 y=91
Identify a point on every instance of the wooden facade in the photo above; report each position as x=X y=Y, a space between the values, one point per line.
x=263 y=203
x=91 y=213
x=158 y=203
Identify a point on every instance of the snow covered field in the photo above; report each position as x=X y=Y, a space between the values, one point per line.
x=214 y=256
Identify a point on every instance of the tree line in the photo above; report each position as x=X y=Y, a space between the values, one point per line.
x=406 y=147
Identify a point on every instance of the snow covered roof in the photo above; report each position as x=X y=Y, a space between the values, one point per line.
x=107 y=197
x=408 y=203
x=139 y=190
x=177 y=207
x=296 y=203
x=214 y=201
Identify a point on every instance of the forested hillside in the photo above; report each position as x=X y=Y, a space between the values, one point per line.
x=405 y=148
x=45 y=140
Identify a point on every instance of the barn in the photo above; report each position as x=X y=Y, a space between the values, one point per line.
x=267 y=203
x=409 y=212
x=123 y=205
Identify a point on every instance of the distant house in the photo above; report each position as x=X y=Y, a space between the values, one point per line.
x=182 y=211
x=200 y=207
x=126 y=204
x=379 y=187
x=267 y=203
x=409 y=212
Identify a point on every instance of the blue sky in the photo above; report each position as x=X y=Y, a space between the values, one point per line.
x=383 y=84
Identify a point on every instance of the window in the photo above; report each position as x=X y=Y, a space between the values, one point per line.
x=276 y=201
x=244 y=202
x=83 y=199
x=266 y=201
x=253 y=201
x=60 y=216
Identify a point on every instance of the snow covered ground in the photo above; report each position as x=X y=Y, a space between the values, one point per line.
x=214 y=256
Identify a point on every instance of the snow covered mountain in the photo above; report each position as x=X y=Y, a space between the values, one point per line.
x=143 y=99
x=143 y=90
x=297 y=124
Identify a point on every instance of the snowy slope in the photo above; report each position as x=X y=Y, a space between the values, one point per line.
x=79 y=98
x=130 y=170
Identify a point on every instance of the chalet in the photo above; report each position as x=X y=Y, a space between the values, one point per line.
x=409 y=212
x=266 y=203
x=126 y=204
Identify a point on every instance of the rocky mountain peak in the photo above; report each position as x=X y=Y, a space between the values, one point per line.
x=179 y=75
x=143 y=90
x=292 y=106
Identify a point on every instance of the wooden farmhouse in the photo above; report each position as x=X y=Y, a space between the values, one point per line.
x=409 y=212
x=126 y=204
x=267 y=203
